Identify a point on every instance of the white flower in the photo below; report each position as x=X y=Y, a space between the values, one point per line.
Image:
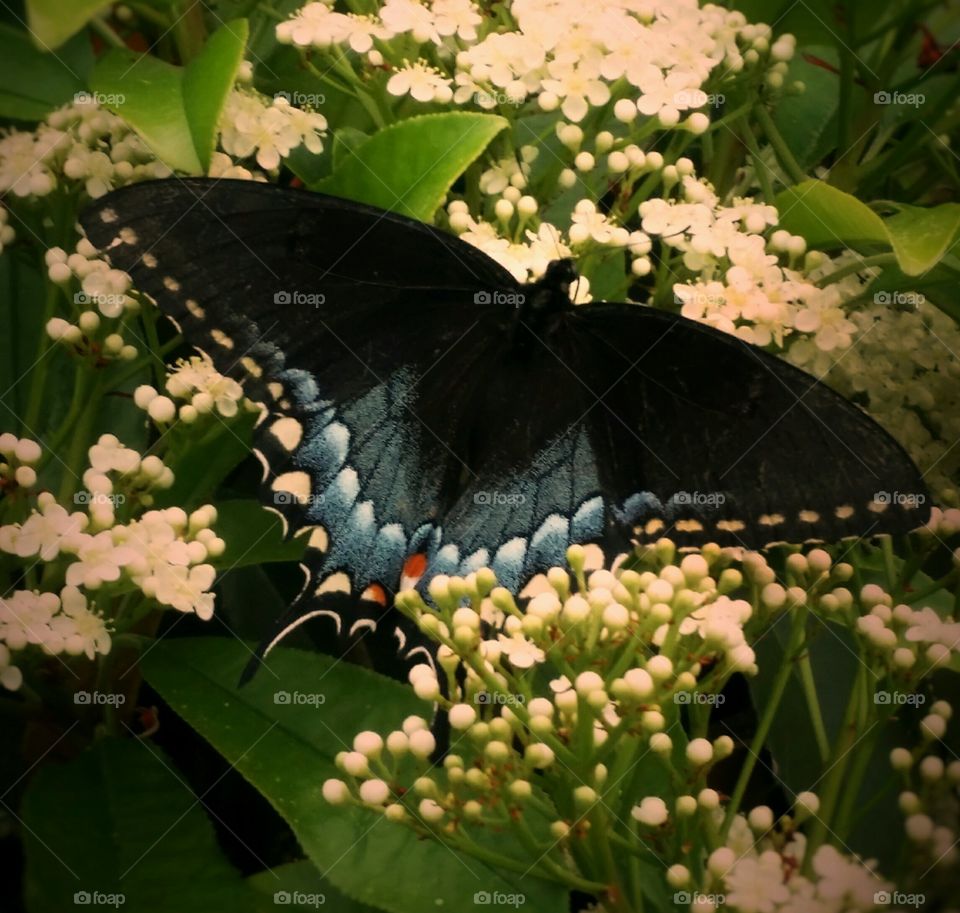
x=755 y=885
x=99 y=561
x=82 y=631
x=521 y=652
x=421 y=82
x=651 y=811
x=579 y=87
x=198 y=381
x=46 y=533
x=185 y=589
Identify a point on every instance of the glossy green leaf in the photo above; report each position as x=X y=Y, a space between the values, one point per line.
x=52 y=22
x=285 y=747
x=410 y=166
x=147 y=94
x=54 y=79
x=829 y=218
x=922 y=236
x=253 y=535
x=300 y=886
x=207 y=80
x=174 y=109
x=807 y=121
x=118 y=820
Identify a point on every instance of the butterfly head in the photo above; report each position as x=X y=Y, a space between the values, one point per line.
x=552 y=291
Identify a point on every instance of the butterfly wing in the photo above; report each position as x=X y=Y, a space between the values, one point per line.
x=332 y=314
x=708 y=438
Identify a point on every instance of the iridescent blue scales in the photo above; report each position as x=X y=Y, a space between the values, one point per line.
x=424 y=414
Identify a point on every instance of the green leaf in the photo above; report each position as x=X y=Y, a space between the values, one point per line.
x=253 y=535
x=346 y=143
x=174 y=109
x=52 y=22
x=286 y=750
x=207 y=81
x=54 y=79
x=921 y=236
x=409 y=167
x=829 y=218
x=118 y=820
x=147 y=94
x=938 y=286
x=301 y=886
x=832 y=650
x=807 y=121
x=200 y=465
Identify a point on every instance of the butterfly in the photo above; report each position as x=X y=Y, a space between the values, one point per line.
x=427 y=414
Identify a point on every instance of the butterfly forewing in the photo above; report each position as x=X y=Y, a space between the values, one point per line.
x=712 y=439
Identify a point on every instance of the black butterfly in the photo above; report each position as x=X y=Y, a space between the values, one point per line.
x=427 y=414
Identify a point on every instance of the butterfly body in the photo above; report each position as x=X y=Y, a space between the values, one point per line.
x=424 y=409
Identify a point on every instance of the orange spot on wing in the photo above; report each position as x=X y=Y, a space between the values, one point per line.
x=375 y=593
x=415 y=565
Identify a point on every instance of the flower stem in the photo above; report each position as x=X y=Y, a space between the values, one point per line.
x=840 y=759
x=813 y=704
x=797 y=637
x=780 y=147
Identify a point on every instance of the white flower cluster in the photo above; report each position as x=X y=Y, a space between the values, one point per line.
x=202 y=388
x=61 y=623
x=929 y=794
x=266 y=129
x=79 y=145
x=759 y=869
x=655 y=55
x=18 y=456
x=162 y=553
x=909 y=642
x=625 y=642
x=104 y=300
x=905 y=366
